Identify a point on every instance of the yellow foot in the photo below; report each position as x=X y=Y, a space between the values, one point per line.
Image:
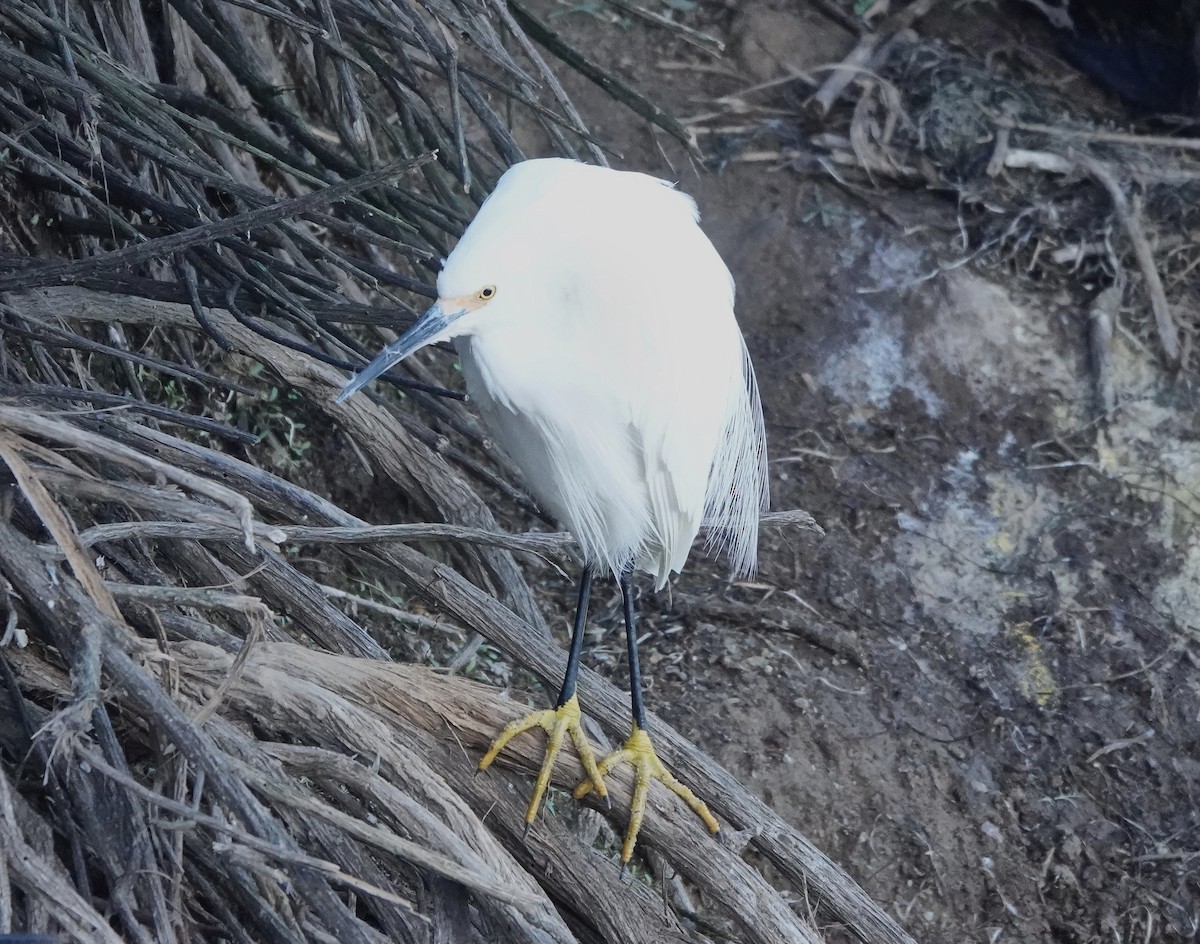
x=640 y=752
x=556 y=722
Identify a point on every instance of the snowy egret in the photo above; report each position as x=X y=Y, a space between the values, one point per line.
x=594 y=321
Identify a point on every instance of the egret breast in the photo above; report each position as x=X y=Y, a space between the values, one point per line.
x=573 y=444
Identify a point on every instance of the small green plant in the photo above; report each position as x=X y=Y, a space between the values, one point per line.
x=271 y=417
x=166 y=391
x=824 y=214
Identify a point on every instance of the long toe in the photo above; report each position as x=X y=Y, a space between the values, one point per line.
x=639 y=752
x=558 y=723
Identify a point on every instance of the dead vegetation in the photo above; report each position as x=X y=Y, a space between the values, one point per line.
x=205 y=207
x=1043 y=188
x=211 y=212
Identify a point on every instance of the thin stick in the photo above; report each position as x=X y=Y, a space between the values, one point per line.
x=703 y=41
x=404 y=616
x=40 y=877
x=38 y=425
x=192 y=817
x=861 y=55
x=60 y=527
x=389 y=842
x=617 y=89
x=108 y=401
x=210 y=232
x=554 y=543
x=1113 y=137
x=1130 y=216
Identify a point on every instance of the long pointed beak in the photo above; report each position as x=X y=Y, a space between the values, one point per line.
x=429 y=329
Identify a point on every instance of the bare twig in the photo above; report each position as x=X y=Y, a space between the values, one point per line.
x=40 y=425
x=42 y=878
x=1102 y=315
x=392 y=844
x=1130 y=216
x=1110 y=137
x=60 y=527
x=861 y=55
x=209 y=232
x=551 y=544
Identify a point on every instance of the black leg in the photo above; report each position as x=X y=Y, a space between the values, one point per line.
x=581 y=609
x=635 y=672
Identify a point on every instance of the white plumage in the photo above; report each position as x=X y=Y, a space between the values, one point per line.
x=609 y=365
x=607 y=362
x=595 y=325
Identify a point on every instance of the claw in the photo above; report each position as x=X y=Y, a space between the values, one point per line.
x=556 y=722
x=639 y=751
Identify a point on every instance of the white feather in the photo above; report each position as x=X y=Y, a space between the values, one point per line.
x=610 y=366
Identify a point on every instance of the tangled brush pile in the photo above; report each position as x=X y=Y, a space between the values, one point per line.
x=209 y=210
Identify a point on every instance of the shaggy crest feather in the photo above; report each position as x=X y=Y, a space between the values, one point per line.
x=737 y=483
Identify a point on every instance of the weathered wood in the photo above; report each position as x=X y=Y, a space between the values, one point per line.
x=414 y=468
x=367 y=701
x=449 y=593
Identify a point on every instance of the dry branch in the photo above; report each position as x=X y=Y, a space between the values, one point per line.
x=58 y=603
x=449 y=593
x=39 y=425
x=209 y=233
x=41 y=876
x=557 y=544
x=860 y=57
x=1129 y=213
x=468 y=715
x=193 y=772
x=417 y=469
x=60 y=528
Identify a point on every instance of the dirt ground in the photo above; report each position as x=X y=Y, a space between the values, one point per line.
x=978 y=690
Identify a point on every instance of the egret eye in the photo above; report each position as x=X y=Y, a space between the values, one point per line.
x=487 y=293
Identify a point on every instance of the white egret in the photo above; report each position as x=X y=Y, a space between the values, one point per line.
x=594 y=321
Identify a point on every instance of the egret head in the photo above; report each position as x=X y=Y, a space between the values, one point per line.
x=557 y=236
x=450 y=317
x=482 y=281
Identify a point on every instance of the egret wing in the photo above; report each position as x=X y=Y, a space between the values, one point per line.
x=695 y=409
